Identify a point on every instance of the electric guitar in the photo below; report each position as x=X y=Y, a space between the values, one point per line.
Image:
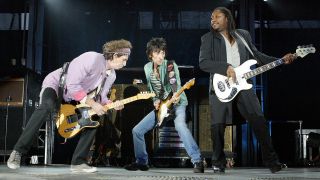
x=73 y=119
x=164 y=107
x=226 y=89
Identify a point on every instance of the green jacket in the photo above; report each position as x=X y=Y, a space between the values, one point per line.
x=148 y=69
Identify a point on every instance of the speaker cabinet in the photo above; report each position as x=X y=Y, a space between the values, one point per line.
x=205 y=142
x=12 y=92
x=19 y=96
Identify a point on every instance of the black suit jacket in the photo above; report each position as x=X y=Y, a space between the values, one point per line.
x=213 y=55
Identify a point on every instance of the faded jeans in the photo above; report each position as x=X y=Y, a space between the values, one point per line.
x=148 y=123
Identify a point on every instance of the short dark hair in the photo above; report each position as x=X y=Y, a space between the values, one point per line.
x=228 y=14
x=156 y=45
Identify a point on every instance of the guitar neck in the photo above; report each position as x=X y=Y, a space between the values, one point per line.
x=113 y=105
x=263 y=68
x=177 y=94
x=123 y=101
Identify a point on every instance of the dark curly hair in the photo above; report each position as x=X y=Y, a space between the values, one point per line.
x=156 y=45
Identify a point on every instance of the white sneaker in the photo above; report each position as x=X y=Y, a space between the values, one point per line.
x=14 y=160
x=83 y=168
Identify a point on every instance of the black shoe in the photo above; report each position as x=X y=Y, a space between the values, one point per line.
x=277 y=167
x=134 y=167
x=218 y=169
x=198 y=167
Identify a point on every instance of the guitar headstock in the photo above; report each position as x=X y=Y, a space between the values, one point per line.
x=189 y=83
x=302 y=51
x=146 y=95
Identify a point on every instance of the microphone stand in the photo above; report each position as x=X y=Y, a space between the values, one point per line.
x=8 y=99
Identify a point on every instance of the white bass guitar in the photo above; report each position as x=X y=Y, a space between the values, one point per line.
x=226 y=89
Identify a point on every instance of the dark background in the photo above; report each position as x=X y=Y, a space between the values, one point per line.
x=72 y=27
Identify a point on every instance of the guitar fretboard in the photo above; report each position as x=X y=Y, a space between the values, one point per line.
x=263 y=68
x=124 y=101
x=112 y=105
x=184 y=87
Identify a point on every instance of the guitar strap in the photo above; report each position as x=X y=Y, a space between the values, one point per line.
x=171 y=76
x=98 y=95
x=62 y=82
x=246 y=44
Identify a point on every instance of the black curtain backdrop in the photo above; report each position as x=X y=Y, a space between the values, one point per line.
x=74 y=27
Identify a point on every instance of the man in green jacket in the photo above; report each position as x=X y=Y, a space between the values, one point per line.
x=163 y=78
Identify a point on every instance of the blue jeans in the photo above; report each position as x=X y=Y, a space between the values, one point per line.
x=148 y=123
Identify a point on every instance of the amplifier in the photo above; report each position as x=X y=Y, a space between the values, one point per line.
x=205 y=142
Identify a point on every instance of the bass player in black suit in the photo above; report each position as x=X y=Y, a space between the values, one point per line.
x=223 y=49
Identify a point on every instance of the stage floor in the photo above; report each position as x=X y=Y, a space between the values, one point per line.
x=54 y=172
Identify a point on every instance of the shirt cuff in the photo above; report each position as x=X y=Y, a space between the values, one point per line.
x=78 y=96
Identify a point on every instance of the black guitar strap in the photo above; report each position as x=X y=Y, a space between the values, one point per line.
x=62 y=82
x=97 y=97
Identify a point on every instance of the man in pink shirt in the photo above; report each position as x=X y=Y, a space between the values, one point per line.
x=89 y=74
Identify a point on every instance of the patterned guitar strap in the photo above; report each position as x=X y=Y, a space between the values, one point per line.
x=171 y=76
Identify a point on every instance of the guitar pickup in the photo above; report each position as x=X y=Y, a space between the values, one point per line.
x=221 y=86
x=232 y=93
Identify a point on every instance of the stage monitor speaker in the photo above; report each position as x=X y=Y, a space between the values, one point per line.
x=19 y=97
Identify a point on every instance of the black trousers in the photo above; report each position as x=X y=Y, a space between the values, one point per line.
x=48 y=105
x=249 y=107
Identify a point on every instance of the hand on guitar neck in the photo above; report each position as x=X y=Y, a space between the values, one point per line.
x=96 y=107
x=99 y=109
x=163 y=108
x=288 y=58
x=118 y=105
x=174 y=99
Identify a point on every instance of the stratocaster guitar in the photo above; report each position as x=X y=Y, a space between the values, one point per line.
x=165 y=106
x=73 y=119
x=226 y=89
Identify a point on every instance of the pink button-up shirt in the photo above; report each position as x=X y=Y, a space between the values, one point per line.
x=85 y=73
